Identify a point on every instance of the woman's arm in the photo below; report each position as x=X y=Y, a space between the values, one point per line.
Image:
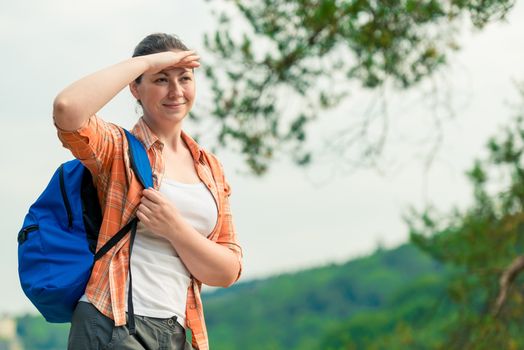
x=211 y=263
x=79 y=101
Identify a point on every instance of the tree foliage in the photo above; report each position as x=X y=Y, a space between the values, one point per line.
x=36 y=333
x=284 y=62
x=485 y=244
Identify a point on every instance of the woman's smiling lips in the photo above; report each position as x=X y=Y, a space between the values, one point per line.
x=173 y=105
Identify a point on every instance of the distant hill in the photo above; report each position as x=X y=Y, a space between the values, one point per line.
x=394 y=297
x=336 y=306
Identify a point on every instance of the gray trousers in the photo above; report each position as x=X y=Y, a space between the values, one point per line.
x=91 y=330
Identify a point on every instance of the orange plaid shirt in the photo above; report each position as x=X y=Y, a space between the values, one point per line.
x=102 y=147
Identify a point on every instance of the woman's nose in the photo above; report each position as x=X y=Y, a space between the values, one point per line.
x=175 y=90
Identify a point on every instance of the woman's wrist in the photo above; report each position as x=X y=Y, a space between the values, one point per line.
x=143 y=62
x=176 y=226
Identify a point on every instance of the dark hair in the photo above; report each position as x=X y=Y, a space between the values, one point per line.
x=155 y=43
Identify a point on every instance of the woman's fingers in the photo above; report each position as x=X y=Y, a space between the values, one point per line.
x=151 y=195
x=183 y=54
x=191 y=57
x=154 y=201
x=184 y=57
x=142 y=216
x=148 y=202
x=144 y=209
x=191 y=61
x=163 y=60
x=147 y=205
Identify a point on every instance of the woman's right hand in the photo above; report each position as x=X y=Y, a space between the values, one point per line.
x=171 y=59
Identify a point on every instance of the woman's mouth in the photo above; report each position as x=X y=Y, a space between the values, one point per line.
x=173 y=105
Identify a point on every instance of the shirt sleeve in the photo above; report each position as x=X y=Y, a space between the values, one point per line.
x=227 y=236
x=93 y=144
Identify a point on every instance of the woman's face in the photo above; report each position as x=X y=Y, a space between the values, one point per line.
x=167 y=95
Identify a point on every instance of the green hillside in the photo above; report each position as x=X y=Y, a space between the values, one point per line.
x=336 y=306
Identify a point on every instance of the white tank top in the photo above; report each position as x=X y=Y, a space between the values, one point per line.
x=160 y=278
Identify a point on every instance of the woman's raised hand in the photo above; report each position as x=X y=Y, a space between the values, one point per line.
x=172 y=59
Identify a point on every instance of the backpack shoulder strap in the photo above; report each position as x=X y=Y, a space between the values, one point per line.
x=139 y=160
x=142 y=168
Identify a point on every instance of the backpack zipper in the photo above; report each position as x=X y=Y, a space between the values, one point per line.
x=64 y=197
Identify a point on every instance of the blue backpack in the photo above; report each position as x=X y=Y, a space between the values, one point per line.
x=57 y=242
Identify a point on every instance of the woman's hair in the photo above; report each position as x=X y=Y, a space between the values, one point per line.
x=155 y=43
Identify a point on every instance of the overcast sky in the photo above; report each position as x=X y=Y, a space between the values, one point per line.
x=289 y=219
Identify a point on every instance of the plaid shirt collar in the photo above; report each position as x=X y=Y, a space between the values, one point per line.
x=149 y=138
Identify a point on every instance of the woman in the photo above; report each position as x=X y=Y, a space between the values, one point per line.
x=185 y=236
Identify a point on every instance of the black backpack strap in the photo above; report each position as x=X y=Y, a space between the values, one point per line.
x=115 y=239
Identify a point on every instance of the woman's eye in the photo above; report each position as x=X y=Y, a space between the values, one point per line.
x=161 y=80
x=186 y=78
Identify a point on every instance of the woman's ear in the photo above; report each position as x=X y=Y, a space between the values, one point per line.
x=133 y=87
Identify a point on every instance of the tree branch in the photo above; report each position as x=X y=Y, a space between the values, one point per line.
x=505 y=282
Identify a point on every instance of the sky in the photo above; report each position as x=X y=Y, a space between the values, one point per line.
x=292 y=218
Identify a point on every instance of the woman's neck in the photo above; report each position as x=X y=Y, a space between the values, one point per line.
x=169 y=133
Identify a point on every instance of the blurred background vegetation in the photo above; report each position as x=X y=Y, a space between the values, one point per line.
x=457 y=284
x=279 y=65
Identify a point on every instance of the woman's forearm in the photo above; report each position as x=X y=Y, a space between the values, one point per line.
x=77 y=102
x=209 y=262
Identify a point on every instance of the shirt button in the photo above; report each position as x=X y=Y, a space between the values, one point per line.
x=170 y=322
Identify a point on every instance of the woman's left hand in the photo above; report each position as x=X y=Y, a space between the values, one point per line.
x=157 y=213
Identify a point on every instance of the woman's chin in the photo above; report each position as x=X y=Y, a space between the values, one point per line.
x=174 y=117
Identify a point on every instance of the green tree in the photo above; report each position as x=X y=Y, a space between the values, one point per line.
x=307 y=51
x=37 y=334
x=485 y=244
